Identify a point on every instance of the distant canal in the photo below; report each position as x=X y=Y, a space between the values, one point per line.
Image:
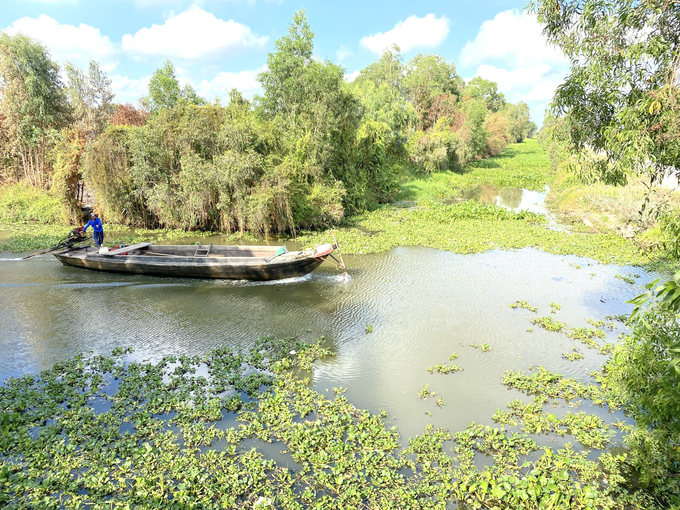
x=422 y=305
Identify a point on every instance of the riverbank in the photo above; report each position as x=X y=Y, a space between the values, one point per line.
x=442 y=211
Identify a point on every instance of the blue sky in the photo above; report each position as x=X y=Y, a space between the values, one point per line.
x=220 y=44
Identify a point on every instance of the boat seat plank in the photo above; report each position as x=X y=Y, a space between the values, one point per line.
x=128 y=249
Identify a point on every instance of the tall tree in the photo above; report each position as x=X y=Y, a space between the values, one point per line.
x=426 y=78
x=91 y=97
x=388 y=70
x=32 y=101
x=487 y=91
x=165 y=91
x=621 y=98
x=286 y=81
x=379 y=86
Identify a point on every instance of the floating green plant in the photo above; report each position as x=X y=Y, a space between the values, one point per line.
x=601 y=324
x=483 y=347
x=573 y=356
x=626 y=278
x=525 y=305
x=425 y=392
x=549 y=324
x=555 y=307
x=444 y=369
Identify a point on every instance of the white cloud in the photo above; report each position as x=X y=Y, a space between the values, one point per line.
x=67 y=42
x=129 y=90
x=244 y=81
x=509 y=79
x=343 y=54
x=511 y=37
x=350 y=77
x=542 y=91
x=158 y=3
x=414 y=32
x=191 y=35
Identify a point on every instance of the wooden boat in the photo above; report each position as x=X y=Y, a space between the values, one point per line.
x=191 y=261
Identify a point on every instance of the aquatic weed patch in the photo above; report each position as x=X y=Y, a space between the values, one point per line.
x=444 y=368
x=101 y=431
x=589 y=430
x=549 y=324
x=554 y=386
x=590 y=337
x=26 y=237
x=98 y=431
x=525 y=305
x=469 y=227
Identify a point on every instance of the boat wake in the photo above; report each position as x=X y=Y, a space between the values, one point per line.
x=255 y=283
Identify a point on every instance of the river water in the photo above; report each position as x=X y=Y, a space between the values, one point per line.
x=422 y=304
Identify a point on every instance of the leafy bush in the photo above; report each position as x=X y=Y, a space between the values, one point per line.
x=645 y=372
x=437 y=151
x=22 y=202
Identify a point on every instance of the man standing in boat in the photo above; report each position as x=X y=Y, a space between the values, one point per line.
x=97 y=228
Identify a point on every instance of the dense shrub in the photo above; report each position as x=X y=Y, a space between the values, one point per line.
x=22 y=202
x=436 y=151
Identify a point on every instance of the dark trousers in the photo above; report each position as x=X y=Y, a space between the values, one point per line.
x=99 y=238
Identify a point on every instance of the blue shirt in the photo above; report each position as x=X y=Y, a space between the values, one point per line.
x=96 y=225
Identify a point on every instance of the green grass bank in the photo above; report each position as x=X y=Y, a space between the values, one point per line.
x=430 y=211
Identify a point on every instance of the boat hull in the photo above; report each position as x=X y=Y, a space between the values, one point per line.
x=192 y=267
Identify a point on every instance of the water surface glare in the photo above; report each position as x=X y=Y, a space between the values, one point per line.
x=423 y=305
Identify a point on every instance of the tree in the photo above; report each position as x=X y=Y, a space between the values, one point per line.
x=427 y=77
x=320 y=117
x=286 y=81
x=91 y=97
x=487 y=91
x=128 y=115
x=32 y=102
x=388 y=70
x=165 y=91
x=621 y=98
x=519 y=121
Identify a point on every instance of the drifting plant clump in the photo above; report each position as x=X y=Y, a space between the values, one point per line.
x=483 y=347
x=425 y=392
x=525 y=305
x=555 y=307
x=626 y=278
x=444 y=369
x=553 y=386
x=589 y=430
x=587 y=337
x=549 y=324
x=601 y=324
x=573 y=356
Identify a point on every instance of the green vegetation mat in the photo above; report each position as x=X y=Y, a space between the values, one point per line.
x=108 y=432
x=520 y=165
x=470 y=227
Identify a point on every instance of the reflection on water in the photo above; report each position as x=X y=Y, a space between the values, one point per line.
x=423 y=305
x=513 y=199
